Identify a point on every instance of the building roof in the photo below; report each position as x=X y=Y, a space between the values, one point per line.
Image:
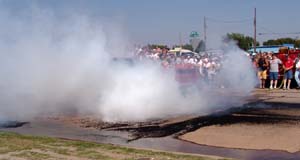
x=274 y=49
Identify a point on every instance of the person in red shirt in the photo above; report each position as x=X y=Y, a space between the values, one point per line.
x=288 y=72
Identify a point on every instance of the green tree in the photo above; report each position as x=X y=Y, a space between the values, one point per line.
x=244 y=42
x=188 y=46
x=281 y=41
x=297 y=43
x=154 y=46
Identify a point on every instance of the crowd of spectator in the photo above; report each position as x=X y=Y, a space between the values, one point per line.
x=270 y=69
x=269 y=66
x=207 y=64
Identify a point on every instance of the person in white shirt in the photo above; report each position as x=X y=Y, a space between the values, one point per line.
x=273 y=71
x=200 y=65
x=210 y=67
x=186 y=60
x=192 y=61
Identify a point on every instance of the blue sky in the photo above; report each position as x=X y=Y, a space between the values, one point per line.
x=161 y=21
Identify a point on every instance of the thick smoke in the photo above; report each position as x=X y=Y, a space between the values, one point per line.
x=51 y=64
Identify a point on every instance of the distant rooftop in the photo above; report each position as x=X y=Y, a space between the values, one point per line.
x=274 y=48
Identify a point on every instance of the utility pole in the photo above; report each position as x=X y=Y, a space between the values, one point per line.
x=254 y=45
x=180 y=40
x=204 y=27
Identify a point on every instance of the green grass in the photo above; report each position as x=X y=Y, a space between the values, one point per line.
x=32 y=155
x=34 y=148
x=93 y=155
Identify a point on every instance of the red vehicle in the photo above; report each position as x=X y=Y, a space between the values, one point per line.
x=283 y=51
x=186 y=73
x=188 y=77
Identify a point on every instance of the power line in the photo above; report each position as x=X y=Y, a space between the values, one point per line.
x=266 y=29
x=229 y=21
x=273 y=33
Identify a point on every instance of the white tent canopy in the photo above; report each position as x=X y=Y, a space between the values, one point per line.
x=179 y=50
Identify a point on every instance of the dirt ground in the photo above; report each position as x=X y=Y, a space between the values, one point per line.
x=271 y=120
x=24 y=147
x=277 y=126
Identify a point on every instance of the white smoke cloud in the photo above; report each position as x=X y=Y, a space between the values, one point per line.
x=52 y=64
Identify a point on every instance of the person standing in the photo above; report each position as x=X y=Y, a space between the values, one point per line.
x=200 y=65
x=211 y=70
x=262 y=66
x=274 y=69
x=297 y=72
x=288 y=73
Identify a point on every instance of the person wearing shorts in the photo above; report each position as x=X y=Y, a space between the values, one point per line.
x=262 y=75
x=274 y=69
x=288 y=73
x=262 y=65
